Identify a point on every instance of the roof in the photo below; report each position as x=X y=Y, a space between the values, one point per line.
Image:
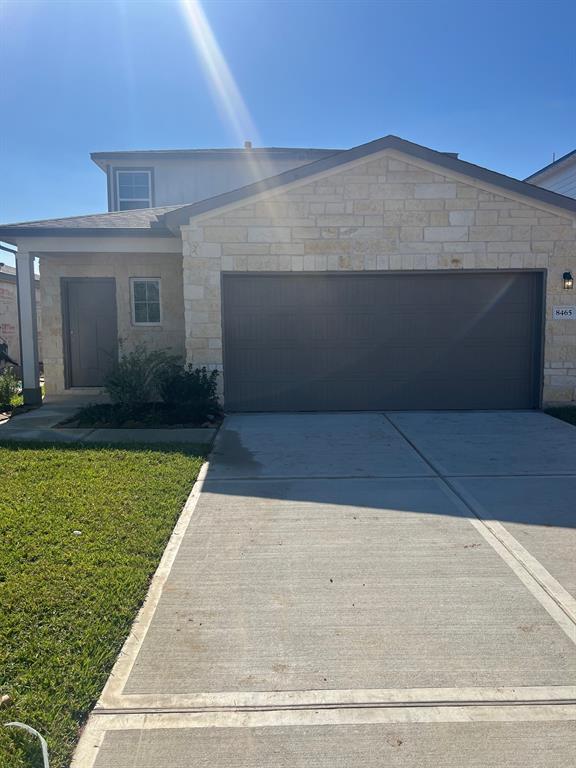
x=552 y=166
x=146 y=221
x=165 y=221
x=8 y=273
x=182 y=214
x=102 y=159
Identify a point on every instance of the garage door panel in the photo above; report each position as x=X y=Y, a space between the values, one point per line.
x=398 y=394
x=439 y=289
x=432 y=393
x=503 y=325
x=300 y=363
x=472 y=323
x=314 y=394
x=376 y=342
x=472 y=360
x=307 y=328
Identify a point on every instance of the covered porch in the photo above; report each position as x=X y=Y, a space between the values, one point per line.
x=112 y=253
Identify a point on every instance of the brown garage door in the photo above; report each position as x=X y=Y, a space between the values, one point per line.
x=373 y=342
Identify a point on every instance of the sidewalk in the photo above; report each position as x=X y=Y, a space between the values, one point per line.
x=40 y=425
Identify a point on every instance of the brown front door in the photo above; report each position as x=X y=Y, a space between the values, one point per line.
x=90 y=330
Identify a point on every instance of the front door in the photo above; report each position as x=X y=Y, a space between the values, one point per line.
x=90 y=330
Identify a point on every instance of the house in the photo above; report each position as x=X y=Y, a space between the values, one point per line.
x=176 y=177
x=9 y=327
x=559 y=176
x=386 y=276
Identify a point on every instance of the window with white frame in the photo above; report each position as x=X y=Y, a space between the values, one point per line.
x=146 y=308
x=133 y=189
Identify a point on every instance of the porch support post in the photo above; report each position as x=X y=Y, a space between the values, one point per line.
x=28 y=328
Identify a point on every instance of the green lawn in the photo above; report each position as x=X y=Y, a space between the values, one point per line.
x=566 y=413
x=67 y=600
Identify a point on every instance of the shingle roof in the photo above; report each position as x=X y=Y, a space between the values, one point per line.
x=143 y=219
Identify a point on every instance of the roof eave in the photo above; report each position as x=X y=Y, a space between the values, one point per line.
x=103 y=159
x=7 y=278
x=18 y=232
x=552 y=167
x=94 y=156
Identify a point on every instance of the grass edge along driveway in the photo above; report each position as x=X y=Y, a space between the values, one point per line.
x=82 y=529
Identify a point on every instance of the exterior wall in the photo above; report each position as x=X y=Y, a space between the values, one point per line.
x=561 y=179
x=382 y=213
x=189 y=180
x=121 y=266
x=9 y=324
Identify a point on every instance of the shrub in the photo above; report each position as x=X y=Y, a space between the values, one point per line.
x=9 y=387
x=118 y=415
x=193 y=392
x=153 y=387
x=139 y=374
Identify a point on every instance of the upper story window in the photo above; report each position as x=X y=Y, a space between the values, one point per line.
x=133 y=190
x=146 y=309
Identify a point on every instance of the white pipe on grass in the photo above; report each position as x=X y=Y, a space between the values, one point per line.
x=34 y=733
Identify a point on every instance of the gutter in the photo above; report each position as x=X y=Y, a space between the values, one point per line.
x=18 y=232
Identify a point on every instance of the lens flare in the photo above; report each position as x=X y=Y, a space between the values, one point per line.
x=222 y=82
x=227 y=95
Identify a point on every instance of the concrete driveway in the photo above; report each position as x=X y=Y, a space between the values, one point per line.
x=360 y=590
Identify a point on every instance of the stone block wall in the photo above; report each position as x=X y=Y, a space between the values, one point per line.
x=121 y=266
x=383 y=213
x=9 y=323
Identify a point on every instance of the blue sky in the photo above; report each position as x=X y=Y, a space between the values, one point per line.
x=495 y=81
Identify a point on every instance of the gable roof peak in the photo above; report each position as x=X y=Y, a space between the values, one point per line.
x=446 y=160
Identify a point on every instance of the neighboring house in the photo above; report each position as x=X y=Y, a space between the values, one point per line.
x=559 y=176
x=9 y=310
x=387 y=276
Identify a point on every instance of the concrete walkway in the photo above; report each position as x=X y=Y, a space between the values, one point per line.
x=359 y=590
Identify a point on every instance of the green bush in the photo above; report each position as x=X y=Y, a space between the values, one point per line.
x=119 y=415
x=138 y=376
x=9 y=387
x=193 y=392
x=152 y=388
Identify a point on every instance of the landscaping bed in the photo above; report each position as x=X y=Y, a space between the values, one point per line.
x=83 y=529
x=142 y=416
x=154 y=389
x=10 y=392
x=565 y=413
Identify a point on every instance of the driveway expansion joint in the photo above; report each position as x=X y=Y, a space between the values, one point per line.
x=152 y=715
x=540 y=577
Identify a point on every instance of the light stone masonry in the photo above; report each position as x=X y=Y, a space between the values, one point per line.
x=179 y=289
x=384 y=213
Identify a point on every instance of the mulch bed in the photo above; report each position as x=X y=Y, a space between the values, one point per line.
x=145 y=416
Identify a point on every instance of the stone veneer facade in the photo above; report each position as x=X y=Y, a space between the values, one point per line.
x=385 y=212
x=121 y=266
x=9 y=329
